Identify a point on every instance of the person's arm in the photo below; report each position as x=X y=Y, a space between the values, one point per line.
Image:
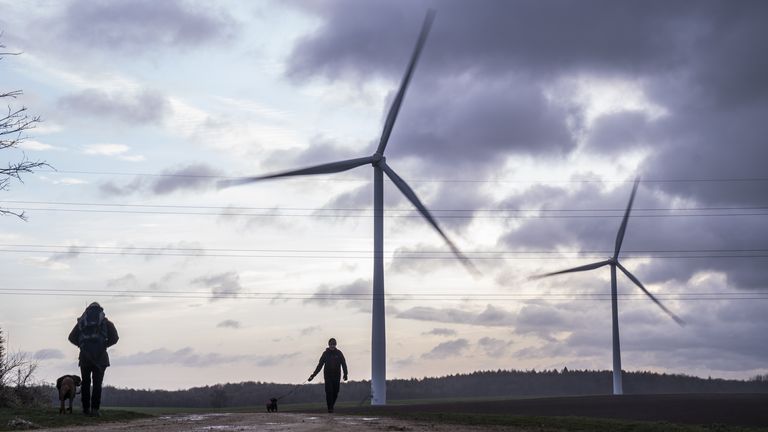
x=344 y=365
x=74 y=335
x=112 y=336
x=319 y=366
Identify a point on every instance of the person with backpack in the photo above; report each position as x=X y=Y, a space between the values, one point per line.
x=332 y=362
x=93 y=334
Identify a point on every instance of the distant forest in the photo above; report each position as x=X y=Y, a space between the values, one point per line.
x=501 y=383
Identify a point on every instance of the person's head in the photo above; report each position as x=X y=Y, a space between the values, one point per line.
x=332 y=343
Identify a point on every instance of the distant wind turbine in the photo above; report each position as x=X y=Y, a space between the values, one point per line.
x=614 y=263
x=380 y=167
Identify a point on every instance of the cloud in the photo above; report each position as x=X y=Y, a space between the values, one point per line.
x=541 y=320
x=494 y=347
x=594 y=229
x=32 y=145
x=48 y=354
x=140 y=108
x=491 y=316
x=440 y=331
x=223 y=285
x=138 y=27
x=306 y=331
x=118 y=151
x=187 y=357
x=128 y=280
x=72 y=253
x=356 y=295
x=229 y=324
x=193 y=177
x=447 y=349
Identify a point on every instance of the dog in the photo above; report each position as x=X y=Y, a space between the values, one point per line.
x=67 y=387
x=272 y=405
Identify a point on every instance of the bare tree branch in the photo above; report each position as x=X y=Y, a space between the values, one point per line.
x=14 y=124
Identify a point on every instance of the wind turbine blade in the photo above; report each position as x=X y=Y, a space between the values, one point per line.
x=573 y=270
x=655 y=300
x=328 y=168
x=411 y=195
x=623 y=227
x=395 y=107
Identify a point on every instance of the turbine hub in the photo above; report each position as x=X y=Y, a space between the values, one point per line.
x=377 y=159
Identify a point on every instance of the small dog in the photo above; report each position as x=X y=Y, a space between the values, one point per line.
x=67 y=387
x=272 y=405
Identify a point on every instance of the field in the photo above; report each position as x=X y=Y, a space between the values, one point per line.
x=630 y=413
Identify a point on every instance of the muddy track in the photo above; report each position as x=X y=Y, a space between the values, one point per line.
x=294 y=422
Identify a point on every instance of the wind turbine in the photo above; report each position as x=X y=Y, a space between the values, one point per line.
x=380 y=167
x=614 y=263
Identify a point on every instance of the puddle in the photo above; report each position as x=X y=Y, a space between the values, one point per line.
x=193 y=417
x=370 y=418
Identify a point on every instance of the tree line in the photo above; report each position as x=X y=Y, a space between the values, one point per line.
x=500 y=383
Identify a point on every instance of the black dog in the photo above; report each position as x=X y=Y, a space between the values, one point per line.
x=272 y=405
x=67 y=387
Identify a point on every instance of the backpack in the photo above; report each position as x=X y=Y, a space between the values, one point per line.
x=93 y=331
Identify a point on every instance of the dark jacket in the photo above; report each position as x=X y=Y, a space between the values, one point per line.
x=100 y=359
x=334 y=361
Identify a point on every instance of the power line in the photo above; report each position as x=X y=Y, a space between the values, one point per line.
x=367 y=257
x=310 y=215
x=325 y=297
x=367 y=251
x=359 y=209
x=691 y=180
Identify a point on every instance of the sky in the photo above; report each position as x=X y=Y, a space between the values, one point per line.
x=522 y=130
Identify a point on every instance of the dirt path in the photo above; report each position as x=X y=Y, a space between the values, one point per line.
x=293 y=422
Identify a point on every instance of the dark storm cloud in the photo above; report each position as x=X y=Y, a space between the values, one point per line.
x=725 y=241
x=719 y=336
x=143 y=26
x=224 y=285
x=541 y=320
x=193 y=177
x=377 y=37
x=613 y=133
x=447 y=349
x=480 y=125
x=491 y=316
x=143 y=107
x=702 y=61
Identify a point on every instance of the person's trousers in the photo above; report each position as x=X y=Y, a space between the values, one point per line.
x=332 y=385
x=91 y=401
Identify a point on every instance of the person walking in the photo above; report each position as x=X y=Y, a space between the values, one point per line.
x=93 y=334
x=332 y=362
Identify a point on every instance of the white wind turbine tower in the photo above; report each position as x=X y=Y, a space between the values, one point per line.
x=614 y=263
x=380 y=167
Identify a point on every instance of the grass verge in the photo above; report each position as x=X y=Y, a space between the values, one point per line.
x=50 y=417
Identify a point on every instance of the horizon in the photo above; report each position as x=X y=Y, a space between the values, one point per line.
x=521 y=132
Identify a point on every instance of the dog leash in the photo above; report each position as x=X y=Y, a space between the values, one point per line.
x=296 y=387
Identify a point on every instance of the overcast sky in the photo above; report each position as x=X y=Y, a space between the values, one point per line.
x=523 y=128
